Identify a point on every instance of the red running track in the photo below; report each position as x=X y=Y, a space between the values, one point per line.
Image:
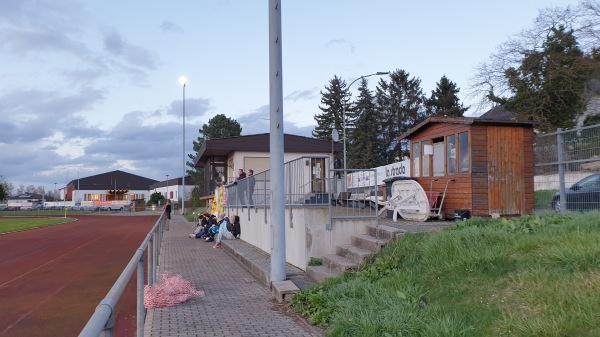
x=52 y=278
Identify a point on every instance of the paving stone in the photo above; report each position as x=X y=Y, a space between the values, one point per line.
x=233 y=304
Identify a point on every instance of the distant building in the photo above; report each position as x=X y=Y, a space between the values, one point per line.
x=24 y=200
x=110 y=186
x=171 y=189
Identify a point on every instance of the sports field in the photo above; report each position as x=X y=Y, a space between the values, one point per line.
x=53 y=278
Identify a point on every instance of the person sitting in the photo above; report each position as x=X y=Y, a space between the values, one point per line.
x=213 y=231
x=235 y=227
x=202 y=228
x=224 y=233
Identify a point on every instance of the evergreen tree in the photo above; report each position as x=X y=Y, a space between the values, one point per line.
x=333 y=100
x=444 y=100
x=365 y=150
x=400 y=103
x=219 y=126
x=548 y=86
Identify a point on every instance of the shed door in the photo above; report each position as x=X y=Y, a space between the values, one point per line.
x=506 y=182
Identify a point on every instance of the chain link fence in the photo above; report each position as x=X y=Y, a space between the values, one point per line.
x=567 y=170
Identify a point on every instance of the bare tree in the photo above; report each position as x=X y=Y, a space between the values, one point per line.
x=490 y=76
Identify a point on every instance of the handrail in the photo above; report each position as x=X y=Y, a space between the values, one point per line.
x=103 y=319
x=298 y=177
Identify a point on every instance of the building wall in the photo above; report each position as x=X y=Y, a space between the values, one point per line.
x=238 y=159
x=90 y=195
x=305 y=231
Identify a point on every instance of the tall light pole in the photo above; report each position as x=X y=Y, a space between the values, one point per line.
x=54 y=196
x=183 y=82
x=379 y=73
x=167 y=187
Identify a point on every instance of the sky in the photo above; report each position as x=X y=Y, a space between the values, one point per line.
x=88 y=86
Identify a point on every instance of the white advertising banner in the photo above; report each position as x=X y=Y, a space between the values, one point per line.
x=367 y=178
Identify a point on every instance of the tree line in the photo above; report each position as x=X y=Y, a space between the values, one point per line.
x=374 y=120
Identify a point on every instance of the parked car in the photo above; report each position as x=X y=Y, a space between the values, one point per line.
x=583 y=195
x=36 y=207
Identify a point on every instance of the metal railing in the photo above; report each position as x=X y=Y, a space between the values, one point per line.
x=305 y=184
x=102 y=321
x=357 y=200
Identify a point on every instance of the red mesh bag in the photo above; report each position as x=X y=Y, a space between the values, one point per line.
x=169 y=291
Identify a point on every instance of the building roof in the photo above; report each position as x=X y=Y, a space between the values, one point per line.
x=498 y=112
x=223 y=147
x=25 y=196
x=112 y=180
x=459 y=120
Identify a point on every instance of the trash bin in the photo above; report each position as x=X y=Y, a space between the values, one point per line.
x=388 y=190
x=461 y=214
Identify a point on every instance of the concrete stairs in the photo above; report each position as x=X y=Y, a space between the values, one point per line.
x=350 y=257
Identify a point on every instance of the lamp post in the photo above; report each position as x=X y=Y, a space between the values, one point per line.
x=183 y=82
x=379 y=73
x=167 y=187
x=54 y=196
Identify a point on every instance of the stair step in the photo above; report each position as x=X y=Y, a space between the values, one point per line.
x=353 y=253
x=368 y=242
x=338 y=263
x=384 y=232
x=319 y=273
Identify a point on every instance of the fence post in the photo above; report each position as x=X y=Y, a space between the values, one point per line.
x=561 y=168
x=141 y=313
x=151 y=259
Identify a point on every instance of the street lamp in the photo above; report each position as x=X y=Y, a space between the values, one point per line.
x=54 y=196
x=167 y=187
x=183 y=82
x=379 y=73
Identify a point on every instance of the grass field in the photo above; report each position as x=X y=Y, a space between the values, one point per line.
x=8 y=225
x=528 y=276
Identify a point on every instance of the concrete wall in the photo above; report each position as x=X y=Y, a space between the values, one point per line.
x=305 y=231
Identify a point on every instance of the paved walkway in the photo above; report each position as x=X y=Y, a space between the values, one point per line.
x=235 y=302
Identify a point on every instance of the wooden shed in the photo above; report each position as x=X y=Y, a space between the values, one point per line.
x=486 y=164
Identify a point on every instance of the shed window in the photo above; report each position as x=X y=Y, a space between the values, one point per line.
x=426 y=161
x=438 y=157
x=416 y=158
x=451 y=147
x=463 y=151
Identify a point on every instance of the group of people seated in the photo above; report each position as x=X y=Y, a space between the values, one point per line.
x=211 y=228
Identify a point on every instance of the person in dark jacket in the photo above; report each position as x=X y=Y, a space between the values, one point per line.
x=235 y=227
x=241 y=187
x=168 y=209
x=250 y=192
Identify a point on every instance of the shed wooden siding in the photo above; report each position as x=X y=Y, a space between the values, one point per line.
x=528 y=171
x=502 y=150
x=479 y=170
x=506 y=185
x=458 y=194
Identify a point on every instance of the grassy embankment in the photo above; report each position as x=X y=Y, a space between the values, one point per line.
x=530 y=276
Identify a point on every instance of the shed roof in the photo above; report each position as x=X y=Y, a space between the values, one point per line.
x=460 y=120
x=222 y=147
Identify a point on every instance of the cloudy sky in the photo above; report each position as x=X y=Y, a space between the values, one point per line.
x=92 y=86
